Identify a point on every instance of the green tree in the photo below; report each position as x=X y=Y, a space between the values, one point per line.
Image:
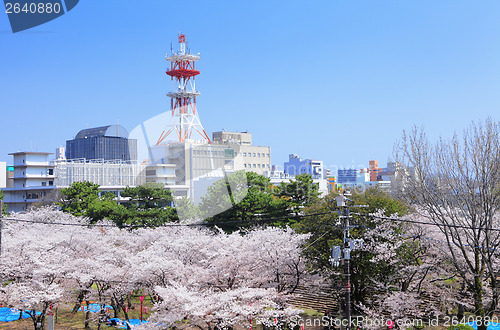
x=148 y=205
x=4 y=208
x=187 y=210
x=241 y=197
x=300 y=192
x=364 y=273
x=77 y=198
x=104 y=207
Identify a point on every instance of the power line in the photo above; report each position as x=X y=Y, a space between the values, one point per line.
x=249 y=221
x=198 y=224
x=433 y=239
x=427 y=223
x=256 y=221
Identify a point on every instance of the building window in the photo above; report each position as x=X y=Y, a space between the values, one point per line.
x=258 y=165
x=267 y=155
x=245 y=165
x=254 y=166
x=244 y=154
x=51 y=183
x=44 y=184
x=254 y=154
x=51 y=171
x=258 y=154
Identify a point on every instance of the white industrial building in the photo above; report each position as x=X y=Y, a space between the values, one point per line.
x=111 y=175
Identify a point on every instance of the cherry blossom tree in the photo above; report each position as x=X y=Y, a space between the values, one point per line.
x=213 y=278
x=210 y=308
x=30 y=263
x=423 y=281
x=455 y=182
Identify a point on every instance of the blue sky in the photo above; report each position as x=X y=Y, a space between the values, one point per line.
x=332 y=80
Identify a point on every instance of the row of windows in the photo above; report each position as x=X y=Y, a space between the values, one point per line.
x=256 y=165
x=102 y=147
x=221 y=153
x=35 y=195
x=50 y=171
x=44 y=184
x=258 y=154
x=227 y=153
x=208 y=152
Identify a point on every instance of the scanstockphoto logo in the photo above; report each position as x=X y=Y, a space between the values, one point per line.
x=26 y=14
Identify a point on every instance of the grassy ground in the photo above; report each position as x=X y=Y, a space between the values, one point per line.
x=76 y=321
x=66 y=320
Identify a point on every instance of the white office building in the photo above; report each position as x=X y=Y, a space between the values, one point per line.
x=247 y=156
x=34 y=181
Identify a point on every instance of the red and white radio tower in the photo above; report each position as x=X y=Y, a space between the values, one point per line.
x=183 y=100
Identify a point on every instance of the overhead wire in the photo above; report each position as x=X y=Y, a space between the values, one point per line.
x=197 y=224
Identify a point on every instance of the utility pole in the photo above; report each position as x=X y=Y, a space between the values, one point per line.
x=347 y=272
x=343 y=253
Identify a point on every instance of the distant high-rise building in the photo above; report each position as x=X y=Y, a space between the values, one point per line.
x=349 y=175
x=296 y=166
x=374 y=170
x=107 y=142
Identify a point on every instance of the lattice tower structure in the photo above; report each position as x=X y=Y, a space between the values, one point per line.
x=183 y=100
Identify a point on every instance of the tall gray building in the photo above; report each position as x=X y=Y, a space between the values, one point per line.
x=107 y=142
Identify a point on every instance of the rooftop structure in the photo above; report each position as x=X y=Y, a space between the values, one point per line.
x=224 y=137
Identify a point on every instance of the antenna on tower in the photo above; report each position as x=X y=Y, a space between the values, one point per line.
x=183 y=99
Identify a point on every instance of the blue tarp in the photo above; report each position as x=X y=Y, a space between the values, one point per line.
x=8 y=314
x=121 y=324
x=491 y=326
x=94 y=308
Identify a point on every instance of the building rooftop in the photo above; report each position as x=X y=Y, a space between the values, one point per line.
x=110 y=130
x=30 y=153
